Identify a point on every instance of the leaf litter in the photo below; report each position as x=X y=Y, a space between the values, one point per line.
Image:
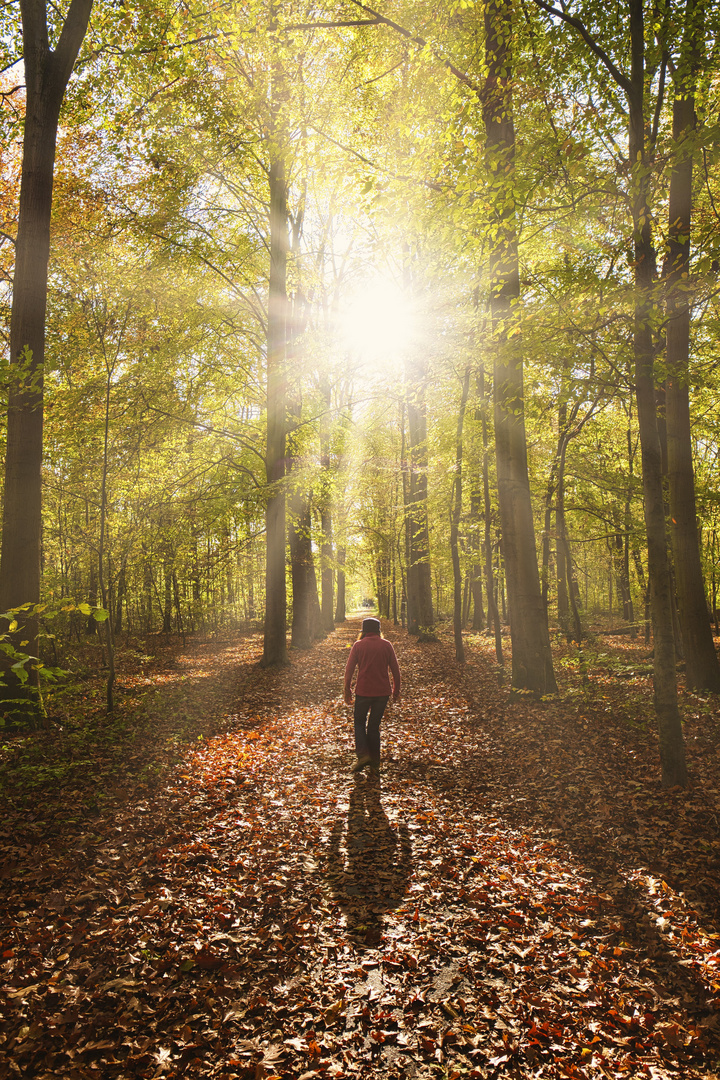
x=516 y=897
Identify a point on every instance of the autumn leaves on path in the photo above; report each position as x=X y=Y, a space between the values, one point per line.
x=482 y=911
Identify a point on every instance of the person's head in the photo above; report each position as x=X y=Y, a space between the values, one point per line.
x=370 y=626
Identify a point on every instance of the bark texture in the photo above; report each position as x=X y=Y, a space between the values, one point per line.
x=275 y=643
x=702 y=671
x=532 y=668
x=672 y=747
x=47 y=72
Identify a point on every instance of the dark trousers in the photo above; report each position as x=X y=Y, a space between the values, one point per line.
x=368 y=714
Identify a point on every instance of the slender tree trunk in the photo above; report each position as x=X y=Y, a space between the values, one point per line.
x=109 y=635
x=628 y=527
x=167 y=593
x=672 y=747
x=568 y=614
x=340 y=612
x=532 y=668
x=91 y=626
x=275 y=643
x=476 y=513
x=490 y=585
x=47 y=73
x=178 y=606
x=455 y=523
x=121 y=593
x=410 y=575
x=572 y=584
x=326 y=569
x=620 y=564
x=420 y=605
x=702 y=671
x=713 y=549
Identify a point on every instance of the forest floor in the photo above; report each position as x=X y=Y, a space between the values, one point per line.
x=199 y=887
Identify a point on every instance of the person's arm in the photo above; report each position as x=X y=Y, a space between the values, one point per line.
x=393 y=665
x=349 y=669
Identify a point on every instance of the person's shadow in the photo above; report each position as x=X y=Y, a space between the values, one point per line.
x=369 y=863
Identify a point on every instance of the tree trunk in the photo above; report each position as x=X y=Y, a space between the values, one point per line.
x=121 y=592
x=306 y=615
x=476 y=517
x=628 y=527
x=47 y=73
x=672 y=747
x=167 y=594
x=275 y=643
x=702 y=671
x=490 y=586
x=340 y=613
x=405 y=464
x=532 y=668
x=455 y=523
x=420 y=605
x=326 y=569
x=109 y=635
x=567 y=588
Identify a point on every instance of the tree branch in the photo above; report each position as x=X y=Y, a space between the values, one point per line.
x=373 y=164
x=579 y=25
x=462 y=76
x=331 y=25
x=71 y=38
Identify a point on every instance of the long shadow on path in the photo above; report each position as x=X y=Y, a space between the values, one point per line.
x=369 y=863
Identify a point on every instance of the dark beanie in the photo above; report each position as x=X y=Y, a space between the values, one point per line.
x=371 y=626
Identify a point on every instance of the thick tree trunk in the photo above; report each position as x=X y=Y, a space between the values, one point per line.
x=532 y=668
x=672 y=747
x=275 y=643
x=47 y=73
x=702 y=671
x=306 y=617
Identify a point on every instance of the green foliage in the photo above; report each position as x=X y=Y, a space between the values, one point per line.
x=22 y=675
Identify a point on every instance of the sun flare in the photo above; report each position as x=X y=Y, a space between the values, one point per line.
x=379 y=323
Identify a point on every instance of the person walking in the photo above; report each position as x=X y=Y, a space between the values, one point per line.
x=372 y=655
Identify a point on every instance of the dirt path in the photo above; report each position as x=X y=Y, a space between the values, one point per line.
x=492 y=907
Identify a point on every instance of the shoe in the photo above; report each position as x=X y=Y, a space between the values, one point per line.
x=375 y=768
x=360 y=764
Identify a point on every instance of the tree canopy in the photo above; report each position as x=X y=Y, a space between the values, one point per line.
x=409 y=303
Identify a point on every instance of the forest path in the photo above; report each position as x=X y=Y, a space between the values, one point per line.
x=497 y=905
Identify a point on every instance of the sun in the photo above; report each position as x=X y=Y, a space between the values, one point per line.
x=379 y=324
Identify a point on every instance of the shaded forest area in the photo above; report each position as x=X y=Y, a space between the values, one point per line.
x=315 y=309
x=209 y=893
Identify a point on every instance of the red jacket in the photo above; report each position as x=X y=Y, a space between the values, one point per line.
x=372 y=656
